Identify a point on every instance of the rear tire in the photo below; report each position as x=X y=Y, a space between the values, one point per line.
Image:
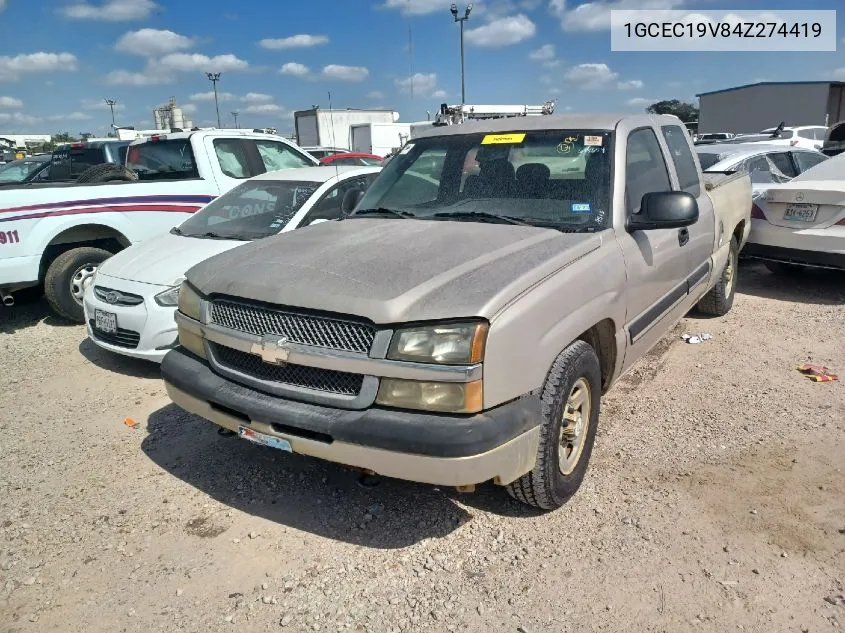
x=107 y=172
x=720 y=298
x=567 y=433
x=66 y=278
x=782 y=268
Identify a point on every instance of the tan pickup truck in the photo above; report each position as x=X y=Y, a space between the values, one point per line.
x=461 y=324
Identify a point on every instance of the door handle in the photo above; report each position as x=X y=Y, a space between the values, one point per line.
x=683 y=236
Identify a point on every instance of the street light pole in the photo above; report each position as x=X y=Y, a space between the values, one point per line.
x=111 y=103
x=461 y=20
x=235 y=114
x=214 y=78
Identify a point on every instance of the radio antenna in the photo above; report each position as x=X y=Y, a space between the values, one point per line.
x=334 y=140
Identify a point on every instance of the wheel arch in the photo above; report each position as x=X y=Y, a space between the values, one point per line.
x=94 y=234
x=602 y=338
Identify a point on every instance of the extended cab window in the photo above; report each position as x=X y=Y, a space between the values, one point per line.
x=645 y=168
x=676 y=139
x=231 y=154
x=277 y=155
x=162 y=160
x=554 y=178
x=806 y=160
x=783 y=164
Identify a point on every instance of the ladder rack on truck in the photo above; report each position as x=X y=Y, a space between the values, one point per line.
x=453 y=115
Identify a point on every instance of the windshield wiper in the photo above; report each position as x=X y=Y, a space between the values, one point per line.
x=482 y=215
x=383 y=211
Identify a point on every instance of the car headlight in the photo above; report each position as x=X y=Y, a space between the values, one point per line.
x=189 y=300
x=169 y=298
x=442 y=397
x=447 y=344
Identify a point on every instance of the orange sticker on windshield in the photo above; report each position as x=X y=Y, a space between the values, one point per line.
x=503 y=139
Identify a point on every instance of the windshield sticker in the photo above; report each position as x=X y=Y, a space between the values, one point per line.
x=503 y=139
x=408 y=147
x=564 y=148
x=580 y=207
x=593 y=141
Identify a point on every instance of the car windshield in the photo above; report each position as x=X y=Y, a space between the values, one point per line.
x=162 y=160
x=250 y=211
x=552 y=178
x=19 y=170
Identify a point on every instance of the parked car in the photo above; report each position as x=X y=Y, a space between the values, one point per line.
x=24 y=170
x=130 y=302
x=714 y=137
x=766 y=164
x=461 y=328
x=834 y=140
x=61 y=234
x=801 y=223
x=807 y=136
x=351 y=158
x=321 y=152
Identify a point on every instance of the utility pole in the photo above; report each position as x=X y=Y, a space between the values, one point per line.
x=214 y=78
x=461 y=20
x=235 y=114
x=111 y=103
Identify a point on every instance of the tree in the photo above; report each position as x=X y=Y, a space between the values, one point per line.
x=63 y=137
x=686 y=112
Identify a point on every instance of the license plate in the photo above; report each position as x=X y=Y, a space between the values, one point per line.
x=801 y=212
x=105 y=321
x=264 y=440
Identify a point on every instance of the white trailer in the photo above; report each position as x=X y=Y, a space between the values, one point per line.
x=332 y=128
x=380 y=138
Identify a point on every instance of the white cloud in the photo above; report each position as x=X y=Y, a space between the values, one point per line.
x=268 y=109
x=110 y=10
x=73 y=116
x=12 y=68
x=195 y=62
x=2 y=5
x=152 y=42
x=545 y=52
x=551 y=63
x=591 y=76
x=18 y=117
x=10 y=102
x=640 y=102
x=209 y=96
x=99 y=104
x=339 y=72
x=421 y=85
x=256 y=97
x=838 y=74
x=595 y=16
x=376 y=95
x=417 y=7
x=189 y=108
x=294 y=69
x=556 y=91
x=129 y=78
x=294 y=41
x=438 y=94
x=633 y=84
x=502 y=32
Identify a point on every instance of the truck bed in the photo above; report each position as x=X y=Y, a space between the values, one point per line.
x=731 y=196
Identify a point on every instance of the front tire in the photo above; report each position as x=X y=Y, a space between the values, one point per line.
x=66 y=278
x=720 y=298
x=570 y=410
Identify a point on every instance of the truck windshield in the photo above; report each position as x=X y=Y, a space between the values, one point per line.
x=250 y=211
x=162 y=160
x=554 y=178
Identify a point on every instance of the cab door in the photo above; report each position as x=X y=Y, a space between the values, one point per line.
x=656 y=261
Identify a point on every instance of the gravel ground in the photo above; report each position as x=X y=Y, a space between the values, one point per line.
x=715 y=501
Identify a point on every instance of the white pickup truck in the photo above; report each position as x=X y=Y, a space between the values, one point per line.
x=57 y=236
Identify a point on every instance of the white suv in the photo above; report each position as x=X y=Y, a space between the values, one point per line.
x=807 y=136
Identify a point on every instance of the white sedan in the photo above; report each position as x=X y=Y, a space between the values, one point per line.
x=130 y=303
x=801 y=223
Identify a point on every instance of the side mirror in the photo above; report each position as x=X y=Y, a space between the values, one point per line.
x=350 y=200
x=664 y=210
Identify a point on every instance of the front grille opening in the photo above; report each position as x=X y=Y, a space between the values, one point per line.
x=232 y=412
x=305 y=434
x=122 y=338
x=327 y=380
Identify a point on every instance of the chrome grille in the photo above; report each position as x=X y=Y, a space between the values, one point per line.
x=117 y=297
x=329 y=381
x=298 y=328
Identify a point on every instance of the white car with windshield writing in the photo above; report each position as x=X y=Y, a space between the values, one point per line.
x=130 y=304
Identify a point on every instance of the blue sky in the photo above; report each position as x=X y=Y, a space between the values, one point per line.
x=61 y=58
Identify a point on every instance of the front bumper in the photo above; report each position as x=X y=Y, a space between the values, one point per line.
x=151 y=325
x=450 y=450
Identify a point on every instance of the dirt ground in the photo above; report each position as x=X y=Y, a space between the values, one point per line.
x=715 y=501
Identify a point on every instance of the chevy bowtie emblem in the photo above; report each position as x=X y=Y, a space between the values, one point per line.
x=272 y=349
x=799 y=196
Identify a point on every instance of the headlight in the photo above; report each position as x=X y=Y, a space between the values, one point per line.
x=189 y=301
x=169 y=298
x=444 y=397
x=449 y=344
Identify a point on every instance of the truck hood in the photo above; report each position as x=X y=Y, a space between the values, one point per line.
x=392 y=271
x=163 y=259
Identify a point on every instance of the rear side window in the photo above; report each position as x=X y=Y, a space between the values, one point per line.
x=810 y=134
x=645 y=168
x=162 y=160
x=806 y=160
x=783 y=164
x=676 y=139
x=231 y=154
x=277 y=155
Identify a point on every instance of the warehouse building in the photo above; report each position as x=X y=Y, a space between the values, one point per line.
x=751 y=108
